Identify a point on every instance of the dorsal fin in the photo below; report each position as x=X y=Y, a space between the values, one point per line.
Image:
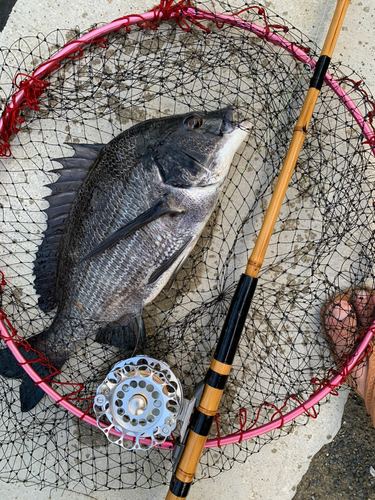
x=60 y=200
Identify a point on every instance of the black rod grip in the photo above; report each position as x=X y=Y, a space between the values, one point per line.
x=235 y=320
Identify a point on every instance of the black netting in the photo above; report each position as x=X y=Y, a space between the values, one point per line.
x=323 y=240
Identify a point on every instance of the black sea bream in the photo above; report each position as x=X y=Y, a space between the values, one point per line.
x=123 y=218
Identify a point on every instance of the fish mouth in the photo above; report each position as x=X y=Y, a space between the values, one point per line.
x=227 y=125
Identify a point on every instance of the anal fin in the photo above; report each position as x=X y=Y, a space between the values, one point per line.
x=30 y=392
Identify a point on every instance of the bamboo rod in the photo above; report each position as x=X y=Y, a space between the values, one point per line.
x=221 y=364
x=257 y=256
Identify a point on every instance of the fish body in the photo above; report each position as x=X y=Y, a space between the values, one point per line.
x=123 y=218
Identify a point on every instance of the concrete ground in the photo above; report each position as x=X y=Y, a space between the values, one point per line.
x=277 y=471
x=345 y=467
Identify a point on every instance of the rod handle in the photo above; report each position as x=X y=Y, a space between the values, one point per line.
x=215 y=381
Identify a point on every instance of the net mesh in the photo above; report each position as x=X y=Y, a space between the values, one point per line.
x=323 y=240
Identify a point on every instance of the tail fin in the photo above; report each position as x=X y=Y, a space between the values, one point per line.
x=30 y=393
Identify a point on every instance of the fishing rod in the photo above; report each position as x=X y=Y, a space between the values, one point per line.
x=221 y=364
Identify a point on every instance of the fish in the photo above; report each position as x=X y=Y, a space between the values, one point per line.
x=123 y=217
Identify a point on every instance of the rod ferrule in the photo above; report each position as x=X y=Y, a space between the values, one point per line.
x=179 y=488
x=320 y=71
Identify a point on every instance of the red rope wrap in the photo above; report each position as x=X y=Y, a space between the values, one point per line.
x=34 y=87
x=20 y=342
x=371 y=113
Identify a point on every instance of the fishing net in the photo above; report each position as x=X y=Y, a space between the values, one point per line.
x=323 y=241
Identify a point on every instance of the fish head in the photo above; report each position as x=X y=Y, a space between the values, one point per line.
x=197 y=148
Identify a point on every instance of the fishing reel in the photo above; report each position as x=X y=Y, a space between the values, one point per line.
x=142 y=400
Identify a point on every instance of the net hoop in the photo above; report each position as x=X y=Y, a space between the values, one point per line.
x=146 y=20
x=96 y=35
x=328 y=387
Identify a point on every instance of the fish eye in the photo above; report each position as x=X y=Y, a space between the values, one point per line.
x=192 y=122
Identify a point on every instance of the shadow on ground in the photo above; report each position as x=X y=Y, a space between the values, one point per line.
x=345 y=468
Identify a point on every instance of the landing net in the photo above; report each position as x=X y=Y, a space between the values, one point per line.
x=323 y=240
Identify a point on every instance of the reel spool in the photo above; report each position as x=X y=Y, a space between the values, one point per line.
x=140 y=398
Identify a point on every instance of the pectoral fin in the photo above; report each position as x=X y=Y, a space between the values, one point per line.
x=162 y=207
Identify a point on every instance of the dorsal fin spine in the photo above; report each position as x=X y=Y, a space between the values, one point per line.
x=64 y=190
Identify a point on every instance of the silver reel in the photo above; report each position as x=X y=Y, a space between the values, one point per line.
x=141 y=399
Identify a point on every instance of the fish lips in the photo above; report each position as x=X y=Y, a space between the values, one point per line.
x=228 y=125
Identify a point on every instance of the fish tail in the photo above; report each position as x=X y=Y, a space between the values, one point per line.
x=30 y=393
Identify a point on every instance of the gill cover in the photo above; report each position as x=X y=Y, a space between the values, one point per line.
x=187 y=157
